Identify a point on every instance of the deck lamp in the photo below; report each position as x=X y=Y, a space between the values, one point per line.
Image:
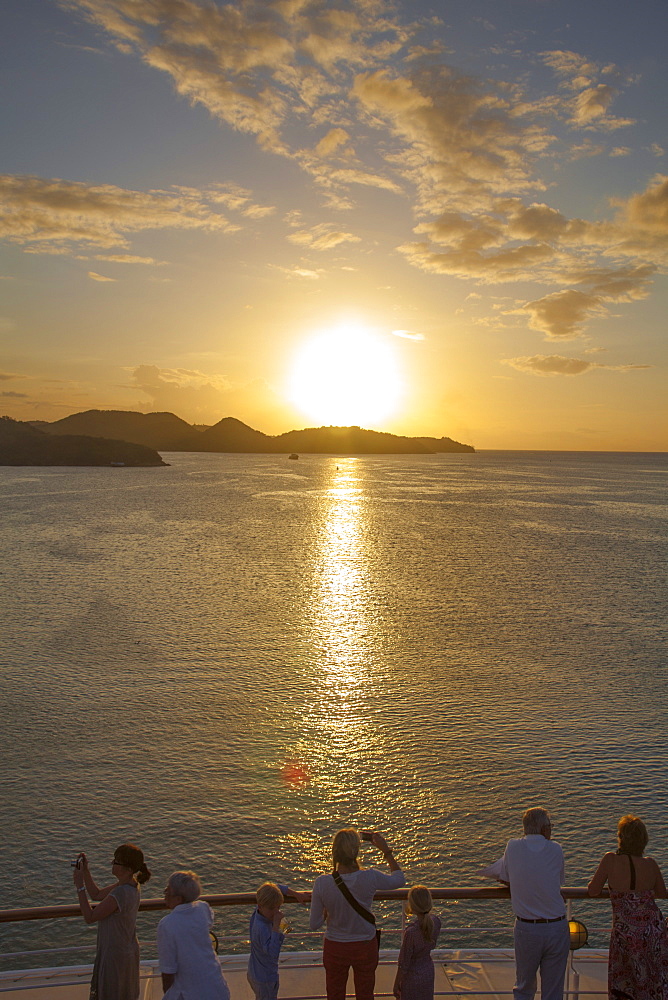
x=579 y=934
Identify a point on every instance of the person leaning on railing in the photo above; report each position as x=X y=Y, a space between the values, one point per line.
x=116 y=968
x=533 y=867
x=638 y=956
x=344 y=900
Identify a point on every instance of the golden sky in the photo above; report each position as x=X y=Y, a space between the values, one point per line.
x=430 y=218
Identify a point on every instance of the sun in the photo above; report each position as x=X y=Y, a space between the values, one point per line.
x=346 y=376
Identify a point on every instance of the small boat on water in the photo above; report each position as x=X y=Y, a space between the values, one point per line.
x=293 y=455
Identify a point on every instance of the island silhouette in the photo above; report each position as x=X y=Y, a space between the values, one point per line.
x=167 y=432
x=23 y=444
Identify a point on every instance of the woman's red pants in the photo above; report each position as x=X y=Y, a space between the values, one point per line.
x=339 y=957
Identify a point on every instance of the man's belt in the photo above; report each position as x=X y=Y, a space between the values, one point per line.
x=541 y=920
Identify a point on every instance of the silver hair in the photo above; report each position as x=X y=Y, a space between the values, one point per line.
x=186 y=885
x=536 y=820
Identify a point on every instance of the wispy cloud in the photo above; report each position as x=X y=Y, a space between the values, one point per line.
x=99 y=277
x=555 y=364
x=322 y=237
x=591 y=96
x=408 y=335
x=43 y=212
x=128 y=258
x=300 y=272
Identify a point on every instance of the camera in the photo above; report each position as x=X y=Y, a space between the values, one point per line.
x=78 y=861
x=367 y=835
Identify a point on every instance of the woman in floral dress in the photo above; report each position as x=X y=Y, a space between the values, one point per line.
x=638 y=957
x=415 y=966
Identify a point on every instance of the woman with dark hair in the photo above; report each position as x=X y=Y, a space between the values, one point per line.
x=638 y=956
x=344 y=900
x=116 y=969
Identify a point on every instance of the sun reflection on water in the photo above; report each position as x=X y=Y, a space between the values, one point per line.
x=343 y=635
x=340 y=624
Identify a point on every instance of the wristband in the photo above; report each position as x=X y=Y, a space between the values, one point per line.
x=82 y=889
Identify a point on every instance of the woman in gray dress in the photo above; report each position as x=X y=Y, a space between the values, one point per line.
x=116 y=969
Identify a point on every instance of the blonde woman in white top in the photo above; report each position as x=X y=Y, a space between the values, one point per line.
x=350 y=936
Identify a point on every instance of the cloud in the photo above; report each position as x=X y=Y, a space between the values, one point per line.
x=386 y=112
x=300 y=272
x=13 y=395
x=560 y=315
x=322 y=237
x=648 y=211
x=591 y=98
x=99 y=277
x=237 y=199
x=510 y=264
x=555 y=364
x=199 y=397
x=128 y=258
x=407 y=335
x=180 y=390
x=52 y=211
x=335 y=138
x=254 y=65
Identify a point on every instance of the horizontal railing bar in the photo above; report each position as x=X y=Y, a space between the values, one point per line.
x=249 y=899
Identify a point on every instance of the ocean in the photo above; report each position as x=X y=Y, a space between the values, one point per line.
x=227 y=660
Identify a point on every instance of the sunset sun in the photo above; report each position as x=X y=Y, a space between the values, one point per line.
x=346 y=375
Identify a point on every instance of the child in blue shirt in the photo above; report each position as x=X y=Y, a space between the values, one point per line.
x=266 y=939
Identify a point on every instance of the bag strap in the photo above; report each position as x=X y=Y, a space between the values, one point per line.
x=356 y=905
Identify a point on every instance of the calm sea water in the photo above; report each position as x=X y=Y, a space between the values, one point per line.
x=227 y=660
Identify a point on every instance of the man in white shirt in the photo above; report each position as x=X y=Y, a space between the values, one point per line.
x=533 y=867
x=190 y=969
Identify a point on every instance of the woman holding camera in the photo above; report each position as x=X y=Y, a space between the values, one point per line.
x=116 y=969
x=344 y=900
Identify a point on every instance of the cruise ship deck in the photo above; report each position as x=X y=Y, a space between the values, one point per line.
x=463 y=973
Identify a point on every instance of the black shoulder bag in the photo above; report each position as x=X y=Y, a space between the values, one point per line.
x=356 y=905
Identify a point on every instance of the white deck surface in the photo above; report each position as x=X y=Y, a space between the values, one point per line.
x=472 y=973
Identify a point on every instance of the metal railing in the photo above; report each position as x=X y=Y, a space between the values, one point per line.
x=248 y=899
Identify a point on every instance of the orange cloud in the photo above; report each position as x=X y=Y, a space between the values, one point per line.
x=555 y=364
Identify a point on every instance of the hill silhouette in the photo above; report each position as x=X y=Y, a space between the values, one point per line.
x=167 y=432
x=23 y=444
x=230 y=434
x=162 y=431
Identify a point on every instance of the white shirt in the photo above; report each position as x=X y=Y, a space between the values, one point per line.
x=186 y=952
x=534 y=868
x=343 y=922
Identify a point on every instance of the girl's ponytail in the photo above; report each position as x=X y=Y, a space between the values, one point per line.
x=420 y=903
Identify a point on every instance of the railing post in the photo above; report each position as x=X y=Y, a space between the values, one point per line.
x=572 y=975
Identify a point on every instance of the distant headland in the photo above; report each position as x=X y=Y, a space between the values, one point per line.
x=167 y=432
x=22 y=444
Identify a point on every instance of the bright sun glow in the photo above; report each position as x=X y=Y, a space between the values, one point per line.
x=347 y=375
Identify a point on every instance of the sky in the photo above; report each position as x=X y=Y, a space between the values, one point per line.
x=429 y=218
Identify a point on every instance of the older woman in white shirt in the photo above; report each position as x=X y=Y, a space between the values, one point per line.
x=350 y=937
x=188 y=963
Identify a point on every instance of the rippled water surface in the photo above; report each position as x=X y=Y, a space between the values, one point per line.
x=228 y=659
